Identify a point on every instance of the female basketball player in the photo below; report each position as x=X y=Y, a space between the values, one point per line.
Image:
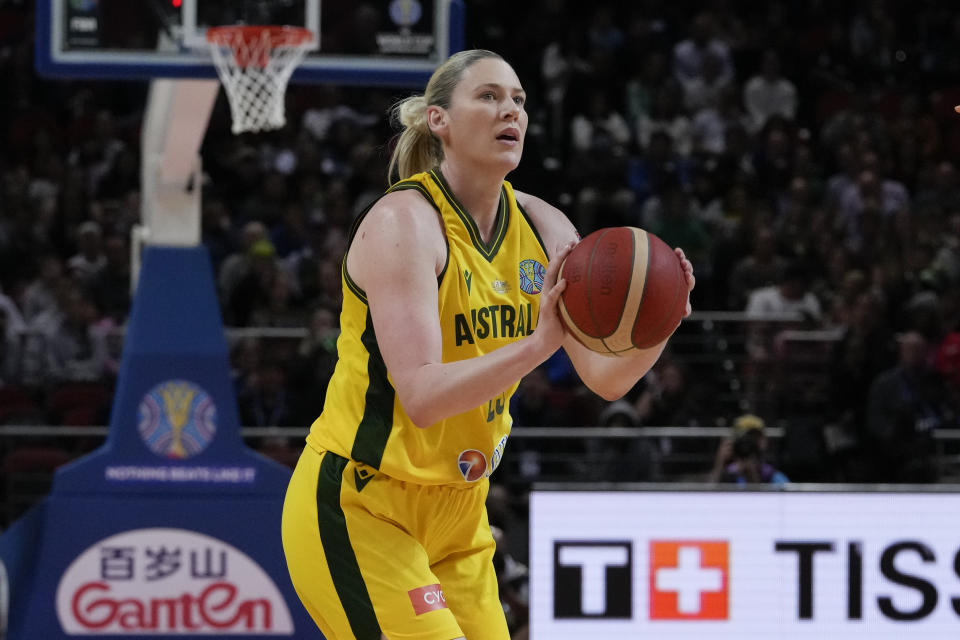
x=450 y=297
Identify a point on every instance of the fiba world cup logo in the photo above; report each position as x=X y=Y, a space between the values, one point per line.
x=531 y=276
x=177 y=419
x=405 y=13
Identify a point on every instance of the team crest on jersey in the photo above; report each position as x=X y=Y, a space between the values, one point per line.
x=501 y=286
x=531 y=276
x=472 y=464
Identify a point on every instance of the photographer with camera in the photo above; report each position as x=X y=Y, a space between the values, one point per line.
x=741 y=458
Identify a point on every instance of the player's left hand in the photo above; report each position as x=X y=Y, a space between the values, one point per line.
x=688 y=274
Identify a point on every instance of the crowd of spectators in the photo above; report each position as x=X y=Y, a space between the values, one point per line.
x=803 y=155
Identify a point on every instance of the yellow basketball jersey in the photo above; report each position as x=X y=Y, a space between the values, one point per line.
x=488 y=297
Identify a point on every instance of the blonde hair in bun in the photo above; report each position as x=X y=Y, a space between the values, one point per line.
x=417 y=149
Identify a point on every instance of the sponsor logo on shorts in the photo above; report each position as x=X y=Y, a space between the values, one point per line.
x=427 y=599
x=472 y=464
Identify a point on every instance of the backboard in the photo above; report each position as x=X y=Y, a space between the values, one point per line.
x=377 y=42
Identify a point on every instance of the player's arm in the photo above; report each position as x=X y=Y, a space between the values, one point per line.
x=395 y=257
x=607 y=376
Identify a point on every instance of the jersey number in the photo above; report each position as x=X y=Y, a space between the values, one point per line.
x=495 y=407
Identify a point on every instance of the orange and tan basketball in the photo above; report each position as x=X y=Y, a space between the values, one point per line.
x=625 y=290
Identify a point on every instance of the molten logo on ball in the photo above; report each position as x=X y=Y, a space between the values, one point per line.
x=608 y=268
x=472 y=464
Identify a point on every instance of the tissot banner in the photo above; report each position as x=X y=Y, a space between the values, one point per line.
x=686 y=565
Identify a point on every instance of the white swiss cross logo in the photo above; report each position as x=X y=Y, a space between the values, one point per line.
x=689 y=580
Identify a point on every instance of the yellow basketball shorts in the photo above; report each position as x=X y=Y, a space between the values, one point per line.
x=371 y=555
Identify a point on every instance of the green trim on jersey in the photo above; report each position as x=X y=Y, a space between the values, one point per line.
x=351 y=285
x=533 y=228
x=377 y=421
x=341 y=559
x=356 y=290
x=399 y=186
x=487 y=250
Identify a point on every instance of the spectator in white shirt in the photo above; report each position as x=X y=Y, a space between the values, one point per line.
x=11 y=327
x=601 y=125
x=40 y=296
x=86 y=264
x=689 y=53
x=790 y=295
x=704 y=90
x=769 y=94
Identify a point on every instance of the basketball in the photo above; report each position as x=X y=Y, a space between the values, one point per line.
x=625 y=290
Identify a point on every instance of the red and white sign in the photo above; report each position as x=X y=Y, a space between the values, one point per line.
x=168 y=582
x=688 y=580
x=428 y=598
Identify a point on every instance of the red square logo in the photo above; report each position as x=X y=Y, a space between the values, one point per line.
x=689 y=580
x=428 y=598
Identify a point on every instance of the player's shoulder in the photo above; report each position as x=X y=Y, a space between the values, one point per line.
x=399 y=225
x=405 y=199
x=406 y=209
x=551 y=223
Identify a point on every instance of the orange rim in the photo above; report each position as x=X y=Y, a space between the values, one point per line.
x=257 y=56
x=226 y=36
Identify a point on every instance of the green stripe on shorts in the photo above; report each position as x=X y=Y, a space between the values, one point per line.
x=341 y=559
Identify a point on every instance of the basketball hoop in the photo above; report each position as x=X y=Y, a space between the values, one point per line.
x=255 y=63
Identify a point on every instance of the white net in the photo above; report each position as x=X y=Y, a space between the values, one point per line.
x=255 y=65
